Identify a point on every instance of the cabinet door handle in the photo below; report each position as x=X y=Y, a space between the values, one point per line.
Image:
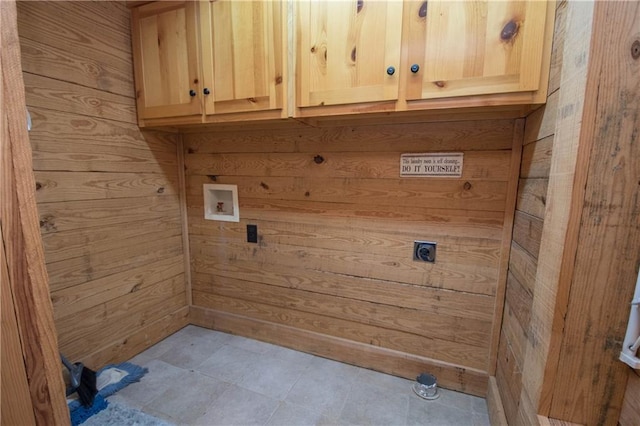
x=192 y=93
x=391 y=70
x=415 y=68
x=206 y=91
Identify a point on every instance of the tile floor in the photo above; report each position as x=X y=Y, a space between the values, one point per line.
x=203 y=377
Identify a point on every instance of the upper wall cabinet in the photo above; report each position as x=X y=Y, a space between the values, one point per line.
x=166 y=59
x=463 y=48
x=242 y=55
x=348 y=51
x=207 y=60
x=360 y=56
x=232 y=60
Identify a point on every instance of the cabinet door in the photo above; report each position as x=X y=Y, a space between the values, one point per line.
x=474 y=47
x=165 y=47
x=348 y=51
x=242 y=55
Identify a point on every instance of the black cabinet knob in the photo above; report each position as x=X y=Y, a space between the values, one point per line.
x=206 y=91
x=415 y=68
x=192 y=93
x=391 y=70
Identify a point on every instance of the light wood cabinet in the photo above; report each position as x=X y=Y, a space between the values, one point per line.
x=446 y=54
x=348 y=51
x=166 y=60
x=215 y=61
x=207 y=58
x=242 y=55
x=464 y=48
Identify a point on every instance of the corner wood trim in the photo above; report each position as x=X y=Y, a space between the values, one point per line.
x=507 y=237
x=27 y=271
x=184 y=219
x=388 y=361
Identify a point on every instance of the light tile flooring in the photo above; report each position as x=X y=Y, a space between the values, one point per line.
x=203 y=377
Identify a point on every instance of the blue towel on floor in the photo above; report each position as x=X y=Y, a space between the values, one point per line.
x=128 y=373
x=81 y=414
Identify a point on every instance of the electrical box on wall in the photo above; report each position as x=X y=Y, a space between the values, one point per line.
x=221 y=202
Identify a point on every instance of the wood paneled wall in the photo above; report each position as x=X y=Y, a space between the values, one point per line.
x=574 y=259
x=527 y=234
x=108 y=196
x=332 y=272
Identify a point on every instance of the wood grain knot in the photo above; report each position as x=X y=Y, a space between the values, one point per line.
x=318 y=159
x=279 y=79
x=195 y=81
x=307 y=194
x=212 y=178
x=47 y=222
x=359 y=5
x=440 y=84
x=467 y=186
x=264 y=185
x=635 y=49
x=509 y=31
x=191 y=151
x=423 y=10
x=313 y=49
x=353 y=55
x=160 y=190
x=38 y=186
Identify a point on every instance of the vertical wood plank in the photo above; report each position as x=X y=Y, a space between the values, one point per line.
x=590 y=381
x=184 y=219
x=29 y=277
x=16 y=407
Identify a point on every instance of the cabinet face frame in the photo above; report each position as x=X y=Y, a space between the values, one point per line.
x=362 y=35
x=168 y=75
x=445 y=72
x=242 y=55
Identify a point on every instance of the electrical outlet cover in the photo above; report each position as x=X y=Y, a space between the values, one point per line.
x=424 y=251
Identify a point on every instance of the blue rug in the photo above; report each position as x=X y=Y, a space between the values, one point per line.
x=110 y=379
x=121 y=415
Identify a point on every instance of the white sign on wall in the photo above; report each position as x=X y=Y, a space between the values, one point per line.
x=437 y=164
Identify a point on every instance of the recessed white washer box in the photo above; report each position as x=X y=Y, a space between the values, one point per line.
x=221 y=202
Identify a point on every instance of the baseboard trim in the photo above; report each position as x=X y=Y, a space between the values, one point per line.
x=494 y=404
x=388 y=361
x=127 y=347
x=546 y=421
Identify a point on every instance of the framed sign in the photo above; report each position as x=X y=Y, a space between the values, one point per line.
x=436 y=164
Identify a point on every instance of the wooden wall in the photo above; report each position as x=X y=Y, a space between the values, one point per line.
x=333 y=272
x=527 y=233
x=31 y=384
x=107 y=193
x=589 y=382
x=575 y=258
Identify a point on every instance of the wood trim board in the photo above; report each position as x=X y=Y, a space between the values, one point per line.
x=27 y=272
